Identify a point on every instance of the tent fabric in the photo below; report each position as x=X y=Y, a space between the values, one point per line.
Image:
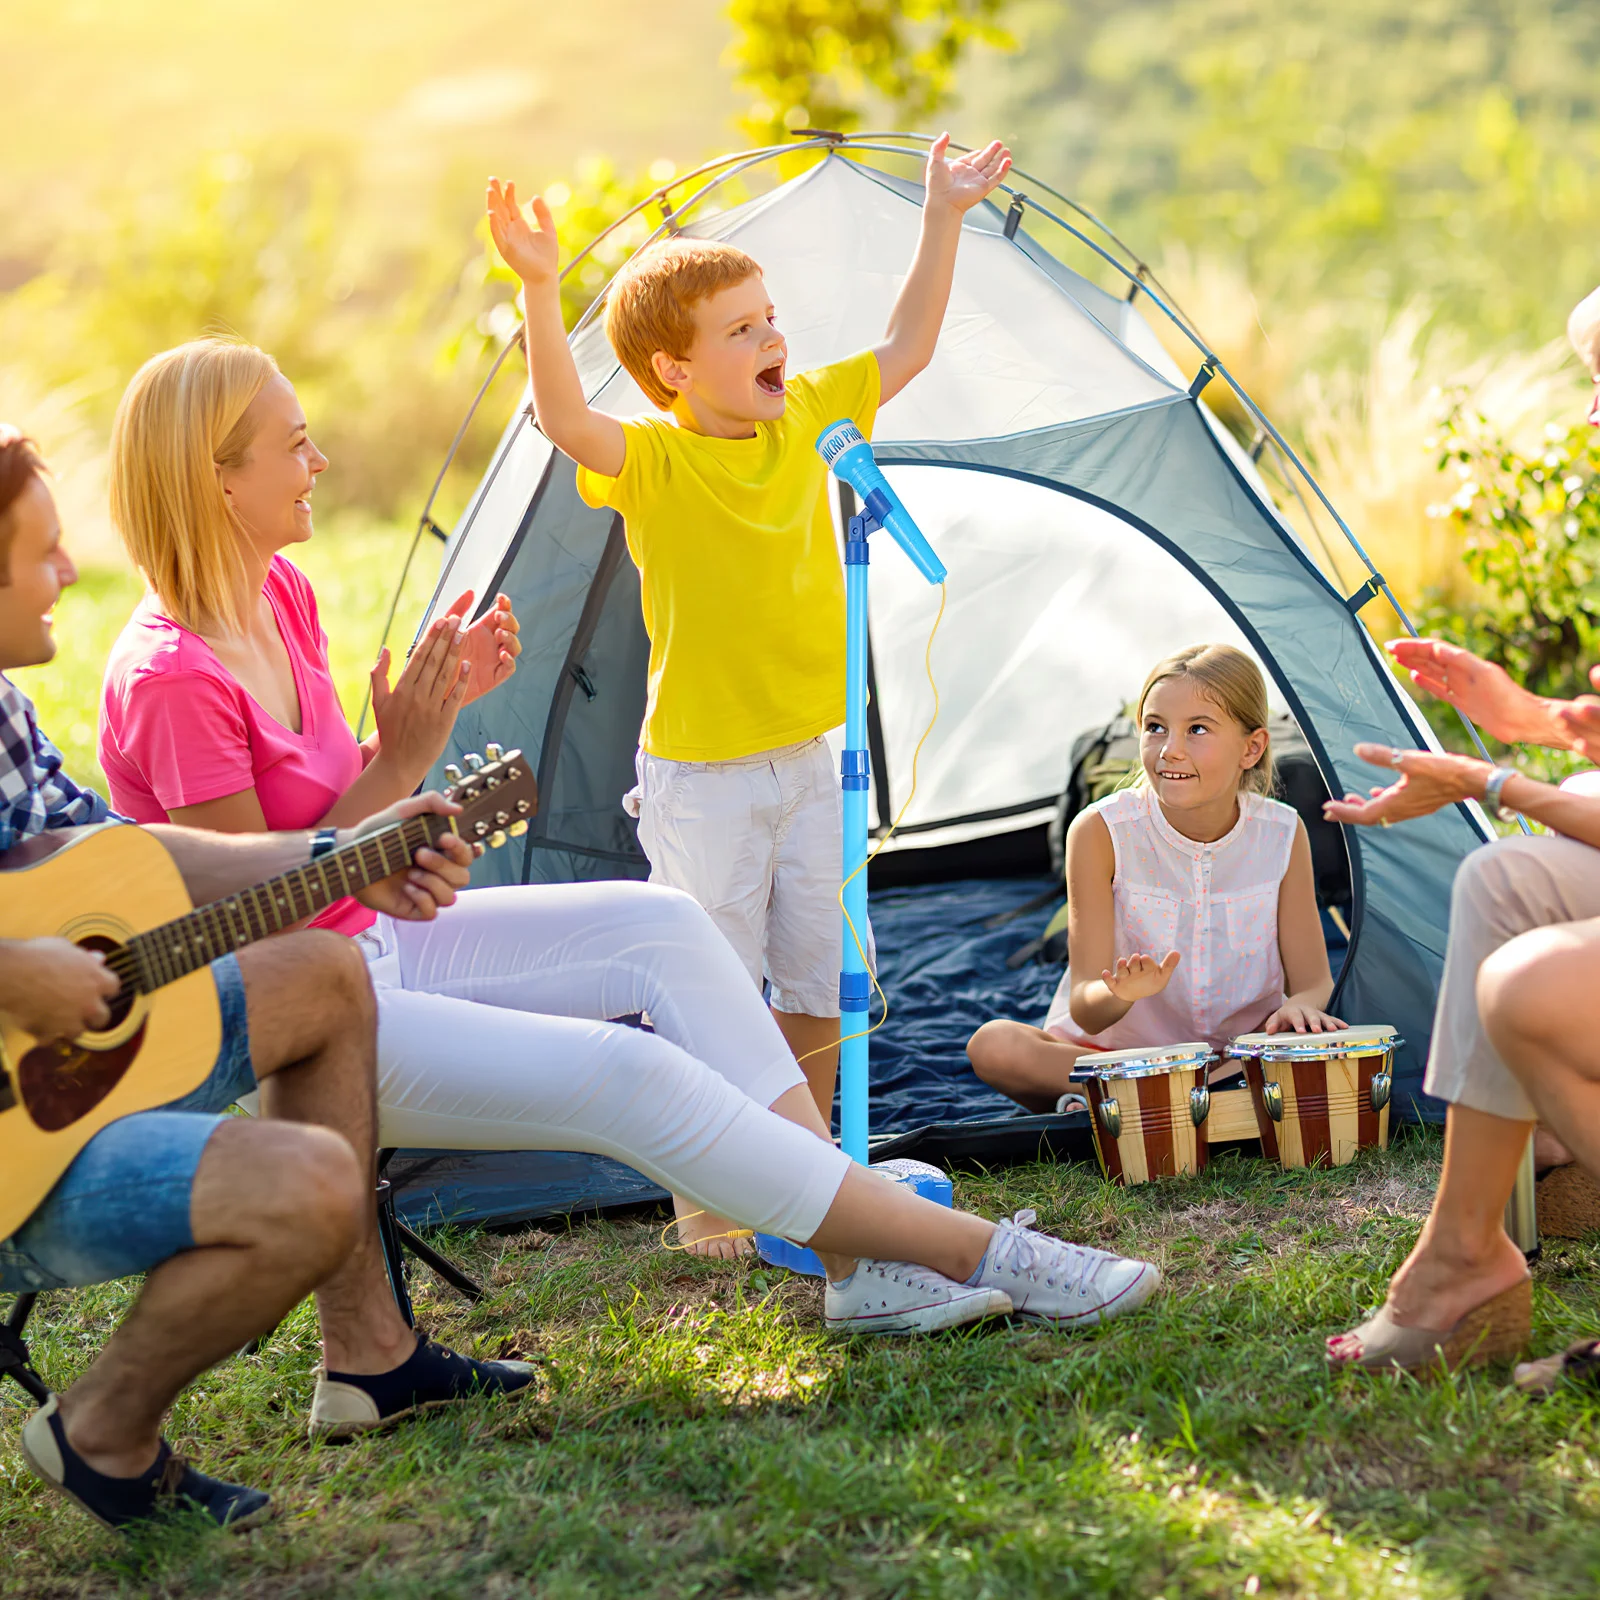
x=1094 y=517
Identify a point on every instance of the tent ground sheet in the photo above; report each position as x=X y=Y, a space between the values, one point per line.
x=942 y=963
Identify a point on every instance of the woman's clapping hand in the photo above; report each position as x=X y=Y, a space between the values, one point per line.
x=415 y=717
x=491 y=647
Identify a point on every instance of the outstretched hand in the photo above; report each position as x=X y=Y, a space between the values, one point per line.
x=962 y=183
x=1479 y=689
x=1429 y=780
x=1138 y=977
x=529 y=249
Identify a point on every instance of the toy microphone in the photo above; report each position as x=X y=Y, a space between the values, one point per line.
x=849 y=458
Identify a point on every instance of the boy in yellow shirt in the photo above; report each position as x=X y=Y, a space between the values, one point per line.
x=726 y=511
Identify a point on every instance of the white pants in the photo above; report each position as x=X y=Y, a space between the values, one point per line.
x=493 y=1035
x=759 y=843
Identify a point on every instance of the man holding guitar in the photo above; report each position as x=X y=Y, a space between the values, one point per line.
x=234 y=1220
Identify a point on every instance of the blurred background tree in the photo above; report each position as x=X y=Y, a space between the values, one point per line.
x=821 y=63
x=1362 y=207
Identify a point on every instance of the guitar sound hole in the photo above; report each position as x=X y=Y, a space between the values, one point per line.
x=123 y=1003
x=62 y=1081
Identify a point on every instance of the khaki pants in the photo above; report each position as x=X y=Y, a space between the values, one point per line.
x=1507 y=888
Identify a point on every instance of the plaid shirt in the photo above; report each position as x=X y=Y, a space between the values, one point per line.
x=35 y=793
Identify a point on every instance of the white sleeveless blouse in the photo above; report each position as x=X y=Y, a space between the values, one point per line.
x=1216 y=904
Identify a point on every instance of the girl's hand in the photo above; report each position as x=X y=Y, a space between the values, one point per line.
x=491 y=647
x=1292 y=1018
x=1139 y=977
x=962 y=183
x=1429 y=780
x=530 y=250
x=414 y=718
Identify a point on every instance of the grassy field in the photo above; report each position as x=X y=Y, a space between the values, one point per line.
x=693 y=1432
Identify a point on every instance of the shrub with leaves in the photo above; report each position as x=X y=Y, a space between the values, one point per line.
x=1530 y=542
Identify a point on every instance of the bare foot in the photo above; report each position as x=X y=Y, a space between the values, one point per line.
x=1435 y=1289
x=1548 y=1151
x=703 y=1233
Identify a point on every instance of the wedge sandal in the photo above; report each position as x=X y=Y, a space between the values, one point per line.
x=1495 y=1331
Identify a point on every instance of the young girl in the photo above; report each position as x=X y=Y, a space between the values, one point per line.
x=1191 y=903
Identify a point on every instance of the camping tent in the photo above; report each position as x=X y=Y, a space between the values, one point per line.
x=1093 y=516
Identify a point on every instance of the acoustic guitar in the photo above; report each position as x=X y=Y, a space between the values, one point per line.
x=116 y=890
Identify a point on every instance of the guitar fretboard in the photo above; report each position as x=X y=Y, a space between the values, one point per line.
x=163 y=955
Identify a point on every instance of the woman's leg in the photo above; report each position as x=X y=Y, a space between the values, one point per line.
x=1030 y=1065
x=455 y=1074
x=604 y=950
x=1464 y=1257
x=1541 y=1009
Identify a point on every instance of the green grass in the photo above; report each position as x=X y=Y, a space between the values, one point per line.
x=694 y=1433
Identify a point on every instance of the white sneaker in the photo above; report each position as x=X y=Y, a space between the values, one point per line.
x=1066 y=1285
x=897 y=1297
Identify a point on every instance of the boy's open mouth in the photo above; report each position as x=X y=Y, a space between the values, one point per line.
x=771 y=380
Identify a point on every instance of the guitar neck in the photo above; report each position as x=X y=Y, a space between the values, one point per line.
x=163 y=955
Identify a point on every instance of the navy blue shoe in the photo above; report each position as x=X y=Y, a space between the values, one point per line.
x=171 y=1485
x=347 y=1403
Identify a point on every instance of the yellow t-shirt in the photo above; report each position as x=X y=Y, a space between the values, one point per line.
x=739 y=571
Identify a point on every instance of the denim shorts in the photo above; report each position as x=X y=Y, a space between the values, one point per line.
x=122 y=1207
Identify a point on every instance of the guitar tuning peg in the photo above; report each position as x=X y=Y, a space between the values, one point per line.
x=497 y=838
x=518 y=828
x=493 y=751
x=473 y=760
x=453 y=773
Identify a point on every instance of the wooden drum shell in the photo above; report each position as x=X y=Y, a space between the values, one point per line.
x=1158 y=1137
x=1327 y=1116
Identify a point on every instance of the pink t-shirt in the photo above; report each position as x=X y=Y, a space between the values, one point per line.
x=178 y=729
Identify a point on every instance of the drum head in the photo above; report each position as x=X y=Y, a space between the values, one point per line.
x=1145 y=1061
x=1362 y=1041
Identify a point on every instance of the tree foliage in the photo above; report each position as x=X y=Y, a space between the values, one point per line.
x=1530 y=540
x=816 y=63
x=1363 y=154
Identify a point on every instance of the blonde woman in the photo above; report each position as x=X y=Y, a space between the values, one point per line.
x=1191 y=901
x=492 y=1033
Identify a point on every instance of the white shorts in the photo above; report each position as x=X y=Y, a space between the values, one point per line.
x=759 y=843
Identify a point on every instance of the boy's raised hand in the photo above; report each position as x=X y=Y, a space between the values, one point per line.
x=962 y=183
x=1138 y=977
x=529 y=249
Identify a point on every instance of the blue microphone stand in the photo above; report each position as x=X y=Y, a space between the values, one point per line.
x=855 y=777
x=849 y=458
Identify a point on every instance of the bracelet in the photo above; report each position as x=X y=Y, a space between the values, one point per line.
x=323 y=841
x=1491 y=790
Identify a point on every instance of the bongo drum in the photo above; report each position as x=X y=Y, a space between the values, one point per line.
x=1319 y=1098
x=1148 y=1109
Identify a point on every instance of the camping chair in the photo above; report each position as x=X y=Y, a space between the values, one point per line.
x=397 y=1239
x=15 y=1361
